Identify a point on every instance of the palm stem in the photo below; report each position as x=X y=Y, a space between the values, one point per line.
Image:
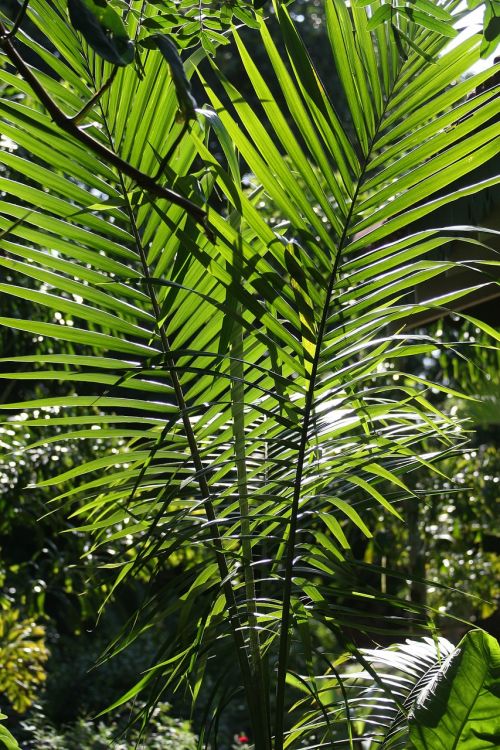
x=262 y=725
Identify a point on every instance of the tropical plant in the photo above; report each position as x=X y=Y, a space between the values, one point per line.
x=429 y=694
x=23 y=654
x=459 y=708
x=243 y=364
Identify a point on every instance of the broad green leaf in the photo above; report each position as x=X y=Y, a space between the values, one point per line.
x=458 y=710
x=7 y=741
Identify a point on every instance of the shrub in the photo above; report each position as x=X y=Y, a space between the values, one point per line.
x=23 y=654
x=164 y=733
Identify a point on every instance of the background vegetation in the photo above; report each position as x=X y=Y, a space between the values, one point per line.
x=224 y=432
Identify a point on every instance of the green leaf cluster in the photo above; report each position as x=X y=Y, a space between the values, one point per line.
x=243 y=364
x=459 y=707
x=6 y=739
x=23 y=654
x=103 y=28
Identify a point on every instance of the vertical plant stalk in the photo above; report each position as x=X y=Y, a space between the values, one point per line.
x=262 y=724
x=206 y=494
x=284 y=639
x=418 y=590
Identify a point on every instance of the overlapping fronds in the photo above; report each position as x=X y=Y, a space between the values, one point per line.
x=403 y=673
x=207 y=23
x=414 y=694
x=253 y=375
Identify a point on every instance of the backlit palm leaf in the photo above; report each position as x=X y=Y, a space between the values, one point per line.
x=243 y=371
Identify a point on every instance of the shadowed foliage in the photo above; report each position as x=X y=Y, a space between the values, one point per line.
x=238 y=367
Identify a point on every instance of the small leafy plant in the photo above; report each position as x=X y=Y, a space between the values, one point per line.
x=23 y=654
x=163 y=733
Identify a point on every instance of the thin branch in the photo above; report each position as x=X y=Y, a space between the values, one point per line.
x=68 y=125
x=17 y=22
x=86 y=109
x=165 y=160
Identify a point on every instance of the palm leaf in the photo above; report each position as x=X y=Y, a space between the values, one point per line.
x=420 y=691
x=351 y=228
x=257 y=426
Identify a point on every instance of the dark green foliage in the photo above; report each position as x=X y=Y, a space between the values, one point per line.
x=169 y=51
x=491 y=24
x=163 y=733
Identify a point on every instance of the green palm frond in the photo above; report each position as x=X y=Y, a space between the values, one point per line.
x=242 y=371
x=413 y=694
x=378 y=698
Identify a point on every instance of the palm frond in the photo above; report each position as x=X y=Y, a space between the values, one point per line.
x=243 y=371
